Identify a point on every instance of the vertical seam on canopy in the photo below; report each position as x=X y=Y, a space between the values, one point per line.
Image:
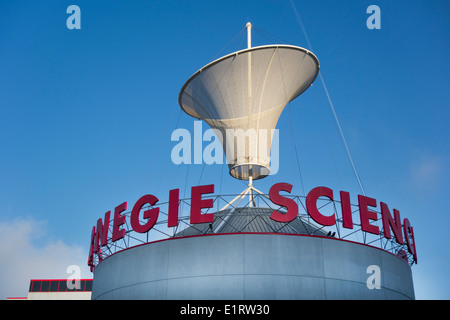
x=264 y=84
x=220 y=80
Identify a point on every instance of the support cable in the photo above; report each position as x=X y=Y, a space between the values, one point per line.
x=295 y=149
x=299 y=20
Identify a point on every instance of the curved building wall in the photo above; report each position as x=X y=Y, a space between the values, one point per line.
x=251 y=266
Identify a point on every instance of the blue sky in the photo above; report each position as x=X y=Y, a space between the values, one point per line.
x=87 y=116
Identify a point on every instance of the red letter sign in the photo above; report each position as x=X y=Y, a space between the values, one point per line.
x=197 y=203
x=311 y=205
x=290 y=204
x=174 y=198
x=119 y=220
x=365 y=214
x=409 y=236
x=151 y=214
x=101 y=234
x=346 y=209
x=91 y=250
x=388 y=222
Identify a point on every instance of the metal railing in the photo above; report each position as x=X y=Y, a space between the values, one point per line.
x=161 y=231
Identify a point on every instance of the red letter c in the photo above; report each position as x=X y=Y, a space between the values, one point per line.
x=311 y=205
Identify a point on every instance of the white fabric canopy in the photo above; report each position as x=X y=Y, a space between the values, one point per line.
x=248 y=90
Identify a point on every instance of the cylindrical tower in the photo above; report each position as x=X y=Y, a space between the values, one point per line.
x=249 y=260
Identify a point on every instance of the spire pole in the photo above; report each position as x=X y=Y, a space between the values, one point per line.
x=249 y=73
x=249 y=34
x=250 y=189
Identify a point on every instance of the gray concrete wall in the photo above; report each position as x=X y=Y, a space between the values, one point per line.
x=251 y=266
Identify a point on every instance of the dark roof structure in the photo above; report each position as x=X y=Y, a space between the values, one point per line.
x=251 y=219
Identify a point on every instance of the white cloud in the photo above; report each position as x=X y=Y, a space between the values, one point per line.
x=23 y=259
x=427 y=172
